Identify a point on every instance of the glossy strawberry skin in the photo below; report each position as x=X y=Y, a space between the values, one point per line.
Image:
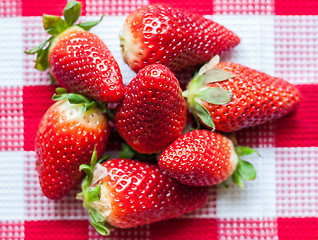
x=257 y=98
x=153 y=111
x=82 y=63
x=199 y=158
x=140 y=194
x=172 y=37
x=64 y=142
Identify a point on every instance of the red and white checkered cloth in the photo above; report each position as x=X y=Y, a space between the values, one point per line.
x=279 y=37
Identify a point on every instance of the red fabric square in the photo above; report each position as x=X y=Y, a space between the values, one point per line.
x=112 y=7
x=11 y=230
x=61 y=230
x=38 y=7
x=184 y=228
x=36 y=100
x=299 y=129
x=258 y=136
x=139 y=232
x=247 y=229
x=257 y=7
x=10 y=8
x=296 y=7
x=199 y=7
x=297 y=228
x=11 y=119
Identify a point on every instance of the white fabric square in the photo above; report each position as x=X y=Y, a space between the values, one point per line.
x=12 y=197
x=297 y=182
x=296 y=52
x=256 y=49
x=11 y=52
x=258 y=198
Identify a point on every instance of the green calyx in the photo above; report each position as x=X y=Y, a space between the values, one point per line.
x=244 y=170
x=75 y=98
x=91 y=194
x=126 y=151
x=198 y=91
x=55 y=25
x=129 y=153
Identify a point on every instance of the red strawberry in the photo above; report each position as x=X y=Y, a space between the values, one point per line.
x=153 y=112
x=204 y=158
x=177 y=39
x=228 y=96
x=79 y=60
x=125 y=193
x=65 y=139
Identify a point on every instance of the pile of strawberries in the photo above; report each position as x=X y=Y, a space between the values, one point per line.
x=177 y=165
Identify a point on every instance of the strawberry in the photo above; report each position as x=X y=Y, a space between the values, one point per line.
x=65 y=139
x=153 y=111
x=79 y=60
x=204 y=158
x=125 y=193
x=172 y=37
x=228 y=96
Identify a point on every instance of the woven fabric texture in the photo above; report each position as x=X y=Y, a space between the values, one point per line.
x=278 y=37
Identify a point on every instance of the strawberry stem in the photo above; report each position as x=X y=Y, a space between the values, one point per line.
x=103 y=159
x=38 y=48
x=75 y=98
x=244 y=151
x=88 y=25
x=199 y=91
x=72 y=11
x=236 y=178
x=88 y=169
x=244 y=169
x=55 y=25
x=91 y=194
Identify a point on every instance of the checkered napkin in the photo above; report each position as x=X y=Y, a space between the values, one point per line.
x=279 y=37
